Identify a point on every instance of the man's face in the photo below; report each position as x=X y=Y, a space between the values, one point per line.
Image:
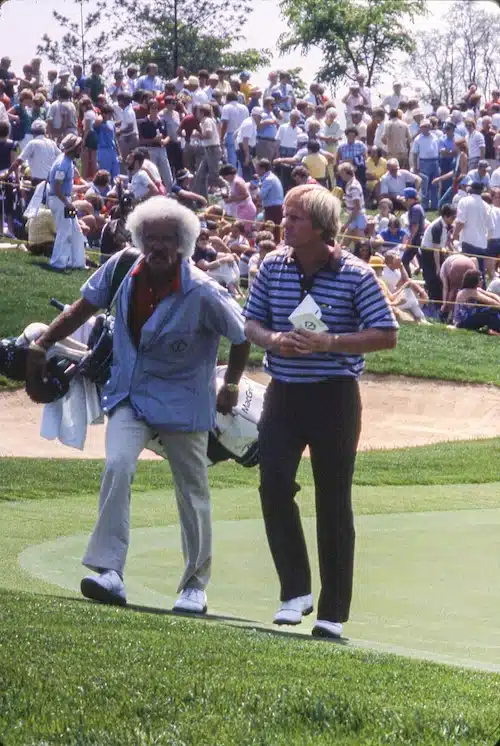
x=160 y=245
x=77 y=71
x=5 y=63
x=351 y=136
x=130 y=162
x=393 y=169
x=425 y=129
x=397 y=89
x=393 y=262
x=469 y=126
x=152 y=70
x=297 y=223
x=180 y=72
x=482 y=171
x=131 y=72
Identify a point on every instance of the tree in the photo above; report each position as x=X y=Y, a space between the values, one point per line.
x=353 y=35
x=193 y=33
x=465 y=51
x=82 y=40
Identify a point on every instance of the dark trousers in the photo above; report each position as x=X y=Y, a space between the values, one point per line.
x=325 y=416
x=174 y=153
x=432 y=280
x=247 y=171
x=469 y=248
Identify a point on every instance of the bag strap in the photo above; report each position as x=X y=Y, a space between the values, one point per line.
x=123 y=266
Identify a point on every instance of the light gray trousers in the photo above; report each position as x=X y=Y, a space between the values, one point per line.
x=126 y=437
x=160 y=158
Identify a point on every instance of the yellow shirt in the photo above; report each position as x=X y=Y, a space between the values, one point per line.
x=376 y=170
x=316 y=164
x=245 y=89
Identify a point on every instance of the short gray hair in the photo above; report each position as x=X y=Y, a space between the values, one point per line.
x=322 y=206
x=165 y=208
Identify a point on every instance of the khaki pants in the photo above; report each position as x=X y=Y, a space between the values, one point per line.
x=126 y=436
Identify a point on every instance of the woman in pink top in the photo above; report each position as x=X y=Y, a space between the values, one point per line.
x=238 y=203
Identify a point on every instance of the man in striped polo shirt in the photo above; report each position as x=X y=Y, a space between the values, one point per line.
x=313 y=398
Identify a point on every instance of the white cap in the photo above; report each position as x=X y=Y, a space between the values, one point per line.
x=257 y=111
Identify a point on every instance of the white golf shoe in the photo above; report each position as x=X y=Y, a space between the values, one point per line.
x=107 y=588
x=323 y=628
x=292 y=611
x=192 y=600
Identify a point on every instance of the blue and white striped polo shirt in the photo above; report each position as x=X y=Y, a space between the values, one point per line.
x=350 y=299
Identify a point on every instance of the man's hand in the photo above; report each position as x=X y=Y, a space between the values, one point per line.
x=226 y=399
x=300 y=342
x=307 y=343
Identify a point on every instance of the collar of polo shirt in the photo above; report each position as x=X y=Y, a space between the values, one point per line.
x=334 y=261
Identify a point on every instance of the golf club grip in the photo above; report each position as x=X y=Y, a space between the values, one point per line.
x=57 y=304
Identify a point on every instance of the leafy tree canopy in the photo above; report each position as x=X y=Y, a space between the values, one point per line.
x=353 y=35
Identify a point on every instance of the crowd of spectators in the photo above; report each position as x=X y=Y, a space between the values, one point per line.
x=229 y=150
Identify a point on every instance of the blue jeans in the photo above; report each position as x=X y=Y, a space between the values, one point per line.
x=429 y=170
x=230 y=149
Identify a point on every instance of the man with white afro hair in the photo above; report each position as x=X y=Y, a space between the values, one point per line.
x=169 y=319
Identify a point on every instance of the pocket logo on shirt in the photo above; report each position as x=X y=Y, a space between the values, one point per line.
x=180 y=345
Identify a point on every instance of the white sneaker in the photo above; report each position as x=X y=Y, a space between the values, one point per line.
x=107 y=588
x=322 y=628
x=192 y=600
x=292 y=611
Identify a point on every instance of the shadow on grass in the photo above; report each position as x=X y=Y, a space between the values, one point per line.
x=242 y=623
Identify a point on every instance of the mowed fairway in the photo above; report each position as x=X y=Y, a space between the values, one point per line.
x=426 y=587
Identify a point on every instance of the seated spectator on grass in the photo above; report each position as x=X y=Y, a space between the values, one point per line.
x=182 y=192
x=394 y=234
x=384 y=214
x=395 y=181
x=141 y=184
x=408 y=293
x=221 y=266
x=115 y=236
x=476 y=308
x=265 y=247
x=376 y=168
x=363 y=250
x=101 y=184
x=236 y=240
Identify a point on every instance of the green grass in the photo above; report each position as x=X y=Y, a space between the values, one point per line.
x=438 y=352
x=462 y=462
x=78 y=675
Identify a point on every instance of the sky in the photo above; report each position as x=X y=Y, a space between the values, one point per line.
x=262 y=30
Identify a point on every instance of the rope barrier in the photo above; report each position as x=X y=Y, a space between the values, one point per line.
x=231 y=219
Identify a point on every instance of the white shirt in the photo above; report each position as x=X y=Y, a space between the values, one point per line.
x=248 y=128
x=139 y=184
x=495 y=121
x=392 y=101
x=40 y=153
x=475 y=141
x=3 y=113
x=128 y=120
x=209 y=127
x=287 y=135
x=198 y=97
x=54 y=114
x=495 y=178
x=391 y=277
x=234 y=114
x=478 y=223
x=152 y=170
x=495 y=223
